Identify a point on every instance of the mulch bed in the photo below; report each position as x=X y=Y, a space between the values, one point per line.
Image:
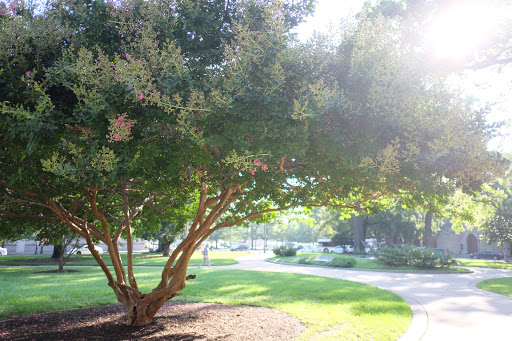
x=175 y=321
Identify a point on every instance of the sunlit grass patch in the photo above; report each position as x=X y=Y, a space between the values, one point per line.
x=502 y=286
x=480 y=263
x=320 y=303
x=326 y=306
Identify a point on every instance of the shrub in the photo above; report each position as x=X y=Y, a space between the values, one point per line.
x=391 y=256
x=342 y=262
x=414 y=256
x=285 y=251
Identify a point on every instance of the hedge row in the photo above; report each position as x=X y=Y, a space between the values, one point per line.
x=414 y=256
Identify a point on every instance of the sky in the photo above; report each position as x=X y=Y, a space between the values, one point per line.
x=487 y=86
x=328 y=11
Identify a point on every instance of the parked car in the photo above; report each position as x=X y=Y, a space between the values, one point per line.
x=83 y=250
x=444 y=252
x=295 y=246
x=308 y=248
x=337 y=249
x=3 y=251
x=487 y=255
x=239 y=247
x=348 y=248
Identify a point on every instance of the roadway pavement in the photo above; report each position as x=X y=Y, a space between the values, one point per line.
x=445 y=306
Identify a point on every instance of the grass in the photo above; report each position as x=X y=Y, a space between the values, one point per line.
x=330 y=308
x=145 y=259
x=480 y=263
x=361 y=263
x=502 y=286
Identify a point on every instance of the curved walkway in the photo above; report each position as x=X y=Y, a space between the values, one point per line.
x=445 y=306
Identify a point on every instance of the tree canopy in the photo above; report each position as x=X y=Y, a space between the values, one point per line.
x=116 y=114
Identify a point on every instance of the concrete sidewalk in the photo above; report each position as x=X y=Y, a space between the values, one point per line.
x=445 y=306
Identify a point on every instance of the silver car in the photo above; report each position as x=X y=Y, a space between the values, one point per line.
x=240 y=247
x=338 y=249
x=3 y=251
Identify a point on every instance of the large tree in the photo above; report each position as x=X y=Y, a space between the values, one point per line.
x=118 y=114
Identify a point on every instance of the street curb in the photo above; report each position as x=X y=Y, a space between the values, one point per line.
x=374 y=270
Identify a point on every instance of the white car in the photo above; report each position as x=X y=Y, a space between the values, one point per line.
x=84 y=250
x=308 y=248
x=349 y=249
x=3 y=251
x=338 y=249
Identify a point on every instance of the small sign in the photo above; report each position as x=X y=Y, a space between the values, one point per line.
x=324 y=259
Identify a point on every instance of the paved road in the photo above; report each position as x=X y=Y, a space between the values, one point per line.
x=445 y=306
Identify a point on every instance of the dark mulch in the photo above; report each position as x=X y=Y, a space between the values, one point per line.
x=175 y=321
x=55 y=271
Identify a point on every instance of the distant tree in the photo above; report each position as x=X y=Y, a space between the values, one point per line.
x=166 y=235
x=170 y=228
x=497 y=222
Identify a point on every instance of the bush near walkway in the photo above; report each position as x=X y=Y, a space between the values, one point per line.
x=338 y=261
x=414 y=256
x=285 y=251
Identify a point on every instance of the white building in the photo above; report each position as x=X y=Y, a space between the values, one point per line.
x=28 y=246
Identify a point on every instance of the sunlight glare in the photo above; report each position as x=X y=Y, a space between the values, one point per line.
x=459 y=31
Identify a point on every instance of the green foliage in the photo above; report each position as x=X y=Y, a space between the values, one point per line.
x=414 y=256
x=339 y=261
x=342 y=262
x=285 y=251
x=392 y=256
x=496 y=204
x=190 y=111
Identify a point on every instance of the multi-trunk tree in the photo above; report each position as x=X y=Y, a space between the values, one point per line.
x=115 y=115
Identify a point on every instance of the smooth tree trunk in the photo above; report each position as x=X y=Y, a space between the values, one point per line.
x=428 y=238
x=359 y=229
x=56 y=251
x=165 y=248
x=62 y=261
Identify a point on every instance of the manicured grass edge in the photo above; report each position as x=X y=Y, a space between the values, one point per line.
x=500 y=286
x=453 y=270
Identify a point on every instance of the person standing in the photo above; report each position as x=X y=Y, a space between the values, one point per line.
x=206 y=258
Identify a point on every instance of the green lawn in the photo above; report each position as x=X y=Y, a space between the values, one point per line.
x=480 y=263
x=502 y=286
x=334 y=308
x=361 y=263
x=145 y=259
